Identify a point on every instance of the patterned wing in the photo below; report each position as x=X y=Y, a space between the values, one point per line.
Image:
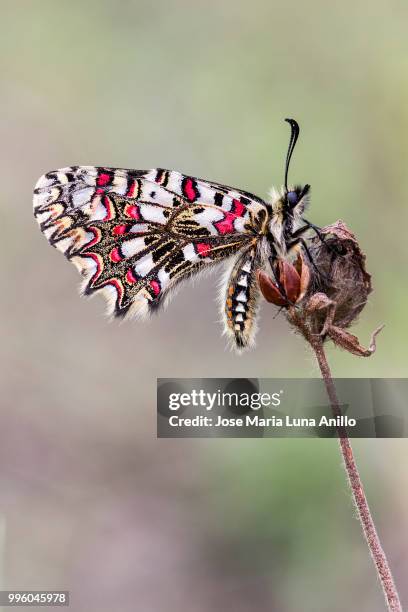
x=135 y=234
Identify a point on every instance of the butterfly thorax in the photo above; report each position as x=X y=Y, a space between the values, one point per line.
x=285 y=219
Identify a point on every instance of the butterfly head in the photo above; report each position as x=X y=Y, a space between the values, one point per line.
x=296 y=200
x=288 y=206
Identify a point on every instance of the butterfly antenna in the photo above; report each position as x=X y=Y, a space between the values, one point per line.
x=293 y=138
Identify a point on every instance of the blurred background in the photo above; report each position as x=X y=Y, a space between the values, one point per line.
x=90 y=500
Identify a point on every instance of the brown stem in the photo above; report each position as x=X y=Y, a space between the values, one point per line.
x=370 y=532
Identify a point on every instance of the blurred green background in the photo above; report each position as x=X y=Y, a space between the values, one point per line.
x=91 y=500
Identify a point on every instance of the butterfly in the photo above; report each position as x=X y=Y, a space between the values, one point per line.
x=134 y=235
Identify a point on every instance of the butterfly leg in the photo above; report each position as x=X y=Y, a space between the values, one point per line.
x=322 y=237
x=297 y=238
x=302 y=241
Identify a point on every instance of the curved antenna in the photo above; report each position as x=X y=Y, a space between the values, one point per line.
x=293 y=138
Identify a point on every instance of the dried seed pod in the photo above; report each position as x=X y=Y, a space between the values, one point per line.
x=338 y=293
x=324 y=303
x=344 y=278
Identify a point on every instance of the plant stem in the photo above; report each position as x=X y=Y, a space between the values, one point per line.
x=370 y=532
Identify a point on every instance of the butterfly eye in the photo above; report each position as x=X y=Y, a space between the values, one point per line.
x=292 y=198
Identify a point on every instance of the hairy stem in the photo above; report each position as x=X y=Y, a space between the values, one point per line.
x=370 y=532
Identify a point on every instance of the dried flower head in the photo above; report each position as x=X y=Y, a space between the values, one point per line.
x=290 y=285
x=325 y=298
x=343 y=276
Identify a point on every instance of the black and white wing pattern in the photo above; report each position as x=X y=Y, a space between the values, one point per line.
x=135 y=234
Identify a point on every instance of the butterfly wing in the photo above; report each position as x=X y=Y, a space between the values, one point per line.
x=135 y=234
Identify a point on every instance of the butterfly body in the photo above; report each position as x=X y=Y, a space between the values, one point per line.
x=135 y=234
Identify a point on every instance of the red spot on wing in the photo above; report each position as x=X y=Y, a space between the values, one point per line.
x=119 y=230
x=133 y=211
x=103 y=179
x=190 y=190
x=203 y=248
x=226 y=225
x=115 y=256
x=131 y=189
x=238 y=208
x=155 y=285
x=130 y=277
